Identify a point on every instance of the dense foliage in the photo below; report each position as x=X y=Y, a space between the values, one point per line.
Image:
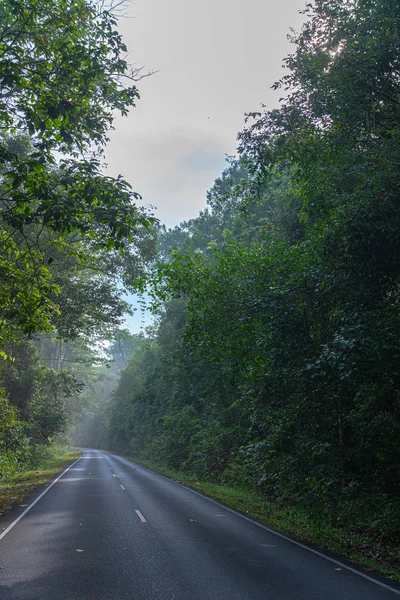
x=274 y=360
x=72 y=240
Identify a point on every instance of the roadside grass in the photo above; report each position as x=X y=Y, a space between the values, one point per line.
x=362 y=549
x=15 y=488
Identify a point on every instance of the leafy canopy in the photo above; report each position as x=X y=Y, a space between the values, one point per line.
x=62 y=75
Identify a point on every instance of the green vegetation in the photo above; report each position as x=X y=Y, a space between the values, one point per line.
x=48 y=463
x=273 y=363
x=360 y=549
x=73 y=241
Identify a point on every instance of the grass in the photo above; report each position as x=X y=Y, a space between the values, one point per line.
x=362 y=549
x=14 y=489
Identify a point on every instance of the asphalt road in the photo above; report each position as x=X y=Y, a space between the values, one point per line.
x=110 y=530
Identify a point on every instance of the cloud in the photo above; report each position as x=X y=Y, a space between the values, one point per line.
x=171 y=168
x=201 y=161
x=214 y=62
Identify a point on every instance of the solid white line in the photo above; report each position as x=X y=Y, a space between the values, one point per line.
x=139 y=514
x=35 y=501
x=266 y=528
x=281 y=535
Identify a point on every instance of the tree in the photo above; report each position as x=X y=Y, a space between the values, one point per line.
x=72 y=240
x=274 y=361
x=63 y=73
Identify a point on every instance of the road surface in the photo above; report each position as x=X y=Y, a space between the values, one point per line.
x=110 y=530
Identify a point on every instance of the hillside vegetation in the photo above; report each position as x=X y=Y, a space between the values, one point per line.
x=273 y=363
x=72 y=240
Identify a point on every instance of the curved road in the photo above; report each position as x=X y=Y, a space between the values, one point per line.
x=110 y=530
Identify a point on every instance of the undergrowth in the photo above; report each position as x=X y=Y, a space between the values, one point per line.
x=361 y=548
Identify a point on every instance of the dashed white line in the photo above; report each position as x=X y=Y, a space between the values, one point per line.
x=122 y=487
x=281 y=535
x=141 y=517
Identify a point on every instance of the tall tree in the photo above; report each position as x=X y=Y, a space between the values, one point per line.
x=63 y=73
x=72 y=240
x=281 y=371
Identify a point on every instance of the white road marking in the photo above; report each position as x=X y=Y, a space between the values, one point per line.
x=139 y=514
x=92 y=457
x=35 y=501
x=122 y=487
x=218 y=515
x=281 y=535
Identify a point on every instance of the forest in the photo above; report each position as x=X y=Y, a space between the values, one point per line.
x=273 y=359
x=73 y=240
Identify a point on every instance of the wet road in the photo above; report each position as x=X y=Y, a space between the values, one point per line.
x=110 y=530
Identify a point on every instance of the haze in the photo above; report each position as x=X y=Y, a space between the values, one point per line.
x=215 y=61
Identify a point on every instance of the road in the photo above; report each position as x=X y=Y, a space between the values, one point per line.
x=110 y=530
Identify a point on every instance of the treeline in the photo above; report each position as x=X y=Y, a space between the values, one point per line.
x=72 y=240
x=274 y=359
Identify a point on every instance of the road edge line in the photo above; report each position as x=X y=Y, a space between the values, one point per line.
x=295 y=542
x=8 y=529
x=266 y=528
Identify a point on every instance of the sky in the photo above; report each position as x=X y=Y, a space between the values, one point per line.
x=212 y=61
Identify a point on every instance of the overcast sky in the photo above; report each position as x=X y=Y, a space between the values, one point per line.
x=216 y=60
